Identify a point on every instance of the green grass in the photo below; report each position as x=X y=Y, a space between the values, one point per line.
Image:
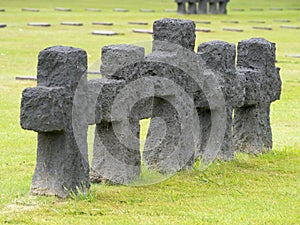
x=247 y=190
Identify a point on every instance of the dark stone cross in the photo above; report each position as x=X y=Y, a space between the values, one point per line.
x=257 y=71
x=55 y=109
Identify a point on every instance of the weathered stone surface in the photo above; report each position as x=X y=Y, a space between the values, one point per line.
x=202 y=7
x=115 y=57
x=2 y=25
x=59 y=104
x=104 y=33
x=168 y=30
x=142 y=31
x=30 y=10
x=233 y=29
x=138 y=23
x=103 y=23
x=93 y=10
x=213 y=7
x=256 y=62
x=42 y=109
x=192 y=8
x=223 y=6
x=63 y=9
x=181 y=9
x=39 y=24
x=72 y=24
x=220 y=57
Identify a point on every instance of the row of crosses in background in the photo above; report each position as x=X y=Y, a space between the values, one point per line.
x=215 y=6
x=172 y=85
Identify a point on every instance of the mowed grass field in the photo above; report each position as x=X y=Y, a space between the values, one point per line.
x=248 y=190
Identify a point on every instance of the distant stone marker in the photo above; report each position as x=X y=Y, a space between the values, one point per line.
x=138 y=23
x=170 y=10
x=263 y=28
x=290 y=27
x=233 y=29
x=2 y=10
x=142 y=31
x=276 y=9
x=205 y=30
x=293 y=55
x=92 y=10
x=282 y=21
x=103 y=23
x=26 y=78
x=294 y=9
x=202 y=22
x=229 y=21
x=30 y=10
x=39 y=24
x=63 y=9
x=120 y=10
x=104 y=33
x=256 y=9
x=71 y=23
x=147 y=10
x=256 y=21
x=238 y=10
x=2 y=25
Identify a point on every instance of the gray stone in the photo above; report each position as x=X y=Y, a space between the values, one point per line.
x=202 y=22
x=290 y=27
x=256 y=21
x=192 y=8
x=223 y=6
x=56 y=110
x=233 y=29
x=262 y=28
x=256 y=62
x=168 y=30
x=39 y=24
x=71 y=24
x=147 y=10
x=181 y=9
x=229 y=21
x=142 y=31
x=63 y=9
x=203 y=30
x=138 y=23
x=115 y=57
x=2 y=10
x=213 y=7
x=2 y=25
x=26 y=78
x=202 y=6
x=30 y=10
x=92 y=10
x=120 y=10
x=104 y=33
x=256 y=9
x=220 y=57
x=103 y=23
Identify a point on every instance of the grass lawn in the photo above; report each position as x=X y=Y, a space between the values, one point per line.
x=247 y=190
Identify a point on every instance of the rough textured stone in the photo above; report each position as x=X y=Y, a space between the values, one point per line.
x=181 y=9
x=181 y=32
x=57 y=111
x=115 y=57
x=256 y=62
x=223 y=6
x=220 y=57
x=192 y=8
x=213 y=7
x=202 y=9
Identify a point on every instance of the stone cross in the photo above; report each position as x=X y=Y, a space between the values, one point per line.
x=213 y=6
x=223 y=6
x=192 y=8
x=220 y=57
x=55 y=109
x=256 y=69
x=181 y=9
x=113 y=160
x=202 y=6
